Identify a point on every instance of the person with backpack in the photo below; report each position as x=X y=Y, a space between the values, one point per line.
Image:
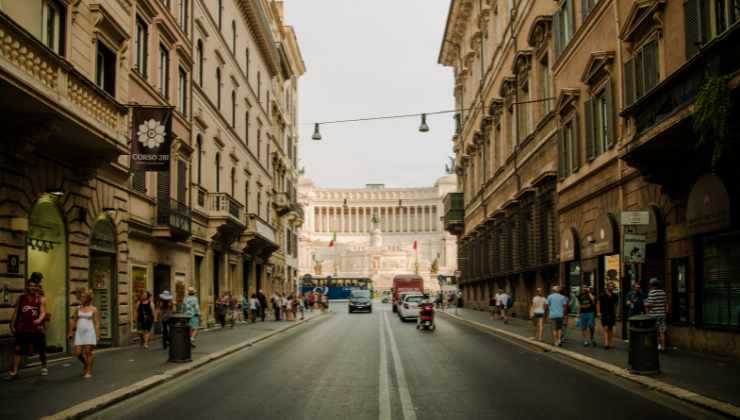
x=586 y=316
x=27 y=325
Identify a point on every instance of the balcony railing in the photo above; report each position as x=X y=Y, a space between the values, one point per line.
x=176 y=215
x=259 y=227
x=721 y=56
x=224 y=205
x=454 y=216
x=58 y=84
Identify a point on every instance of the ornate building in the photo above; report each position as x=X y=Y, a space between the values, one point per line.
x=371 y=232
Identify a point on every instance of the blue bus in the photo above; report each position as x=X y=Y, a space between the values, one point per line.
x=335 y=287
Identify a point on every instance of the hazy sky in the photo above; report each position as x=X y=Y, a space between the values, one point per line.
x=367 y=58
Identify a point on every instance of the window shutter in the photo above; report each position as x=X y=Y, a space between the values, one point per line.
x=181 y=182
x=576 y=145
x=139 y=181
x=163 y=197
x=652 y=69
x=590 y=137
x=629 y=82
x=610 y=132
x=561 y=154
x=556 y=32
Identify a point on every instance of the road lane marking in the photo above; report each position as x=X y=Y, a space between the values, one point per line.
x=384 y=394
x=407 y=405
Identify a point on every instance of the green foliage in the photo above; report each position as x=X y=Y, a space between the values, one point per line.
x=713 y=106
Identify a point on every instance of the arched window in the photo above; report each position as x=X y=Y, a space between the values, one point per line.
x=199 y=146
x=233 y=182
x=218 y=87
x=200 y=62
x=218 y=172
x=233 y=108
x=233 y=36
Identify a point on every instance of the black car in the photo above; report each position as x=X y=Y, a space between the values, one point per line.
x=360 y=300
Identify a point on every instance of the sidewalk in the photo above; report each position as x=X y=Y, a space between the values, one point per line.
x=34 y=396
x=711 y=376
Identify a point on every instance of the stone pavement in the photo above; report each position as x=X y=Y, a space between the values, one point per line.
x=712 y=376
x=33 y=395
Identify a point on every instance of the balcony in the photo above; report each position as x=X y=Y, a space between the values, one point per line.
x=225 y=217
x=454 y=216
x=176 y=216
x=281 y=203
x=55 y=108
x=260 y=238
x=662 y=119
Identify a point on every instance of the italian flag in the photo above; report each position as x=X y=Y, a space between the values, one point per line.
x=333 y=239
x=415 y=245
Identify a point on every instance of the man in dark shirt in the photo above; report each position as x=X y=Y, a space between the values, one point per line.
x=636 y=300
x=586 y=314
x=608 y=312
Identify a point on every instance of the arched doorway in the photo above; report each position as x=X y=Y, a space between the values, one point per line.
x=102 y=277
x=46 y=250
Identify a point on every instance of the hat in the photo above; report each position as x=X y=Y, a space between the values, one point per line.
x=166 y=295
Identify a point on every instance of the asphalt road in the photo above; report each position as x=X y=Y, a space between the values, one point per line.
x=373 y=366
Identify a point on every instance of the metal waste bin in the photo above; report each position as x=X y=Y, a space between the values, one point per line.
x=643 y=356
x=179 y=338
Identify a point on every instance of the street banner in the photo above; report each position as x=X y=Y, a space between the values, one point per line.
x=152 y=138
x=634 y=248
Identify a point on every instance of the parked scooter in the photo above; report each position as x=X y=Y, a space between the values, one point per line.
x=426 y=316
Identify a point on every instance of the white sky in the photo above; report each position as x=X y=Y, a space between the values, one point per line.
x=367 y=58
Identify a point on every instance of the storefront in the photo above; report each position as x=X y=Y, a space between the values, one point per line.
x=103 y=278
x=46 y=248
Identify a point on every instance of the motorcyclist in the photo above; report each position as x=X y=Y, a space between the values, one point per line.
x=426 y=310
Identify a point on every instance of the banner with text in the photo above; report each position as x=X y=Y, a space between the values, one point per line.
x=152 y=138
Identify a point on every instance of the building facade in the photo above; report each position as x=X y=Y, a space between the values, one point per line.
x=641 y=88
x=217 y=220
x=376 y=232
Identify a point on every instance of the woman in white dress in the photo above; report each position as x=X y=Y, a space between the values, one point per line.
x=85 y=325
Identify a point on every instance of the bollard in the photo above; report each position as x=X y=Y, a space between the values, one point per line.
x=179 y=339
x=643 y=355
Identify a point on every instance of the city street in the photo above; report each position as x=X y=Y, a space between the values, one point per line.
x=369 y=366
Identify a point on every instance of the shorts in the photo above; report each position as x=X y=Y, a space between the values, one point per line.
x=538 y=315
x=26 y=344
x=586 y=321
x=557 y=323
x=660 y=324
x=608 y=321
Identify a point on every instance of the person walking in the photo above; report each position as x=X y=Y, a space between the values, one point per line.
x=254 y=307
x=657 y=308
x=556 y=305
x=232 y=307
x=144 y=317
x=311 y=301
x=285 y=306
x=220 y=310
x=570 y=303
x=607 y=307
x=503 y=305
x=85 y=325
x=164 y=313
x=295 y=302
x=263 y=304
x=27 y=325
x=192 y=309
x=302 y=307
x=586 y=316
x=324 y=303
x=636 y=300
x=276 y=304
x=537 y=313
x=245 y=307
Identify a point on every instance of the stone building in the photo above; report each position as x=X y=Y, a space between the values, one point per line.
x=505 y=147
x=374 y=231
x=644 y=92
x=71 y=209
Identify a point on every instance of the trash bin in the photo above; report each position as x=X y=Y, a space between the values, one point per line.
x=643 y=355
x=179 y=338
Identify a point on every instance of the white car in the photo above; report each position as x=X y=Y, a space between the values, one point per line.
x=409 y=306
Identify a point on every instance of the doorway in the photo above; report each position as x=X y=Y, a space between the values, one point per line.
x=46 y=250
x=246 y=271
x=216 y=274
x=161 y=280
x=102 y=277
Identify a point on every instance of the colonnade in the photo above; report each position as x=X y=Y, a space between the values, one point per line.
x=355 y=219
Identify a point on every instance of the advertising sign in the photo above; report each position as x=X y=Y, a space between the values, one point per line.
x=151 y=138
x=634 y=248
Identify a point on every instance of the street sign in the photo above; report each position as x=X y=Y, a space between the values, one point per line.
x=630 y=218
x=634 y=248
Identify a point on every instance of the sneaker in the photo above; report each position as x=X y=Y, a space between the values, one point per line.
x=586 y=343
x=87 y=376
x=44 y=371
x=146 y=346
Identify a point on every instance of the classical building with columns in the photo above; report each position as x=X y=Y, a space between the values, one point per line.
x=376 y=227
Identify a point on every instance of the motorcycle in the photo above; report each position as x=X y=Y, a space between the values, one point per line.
x=426 y=317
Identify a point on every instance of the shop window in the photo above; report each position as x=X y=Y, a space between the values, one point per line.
x=142 y=41
x=105 y=68
x=53 y=26
x=720 y=294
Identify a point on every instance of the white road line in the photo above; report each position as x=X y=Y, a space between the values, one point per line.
x=384 y=394
x=407 y=405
